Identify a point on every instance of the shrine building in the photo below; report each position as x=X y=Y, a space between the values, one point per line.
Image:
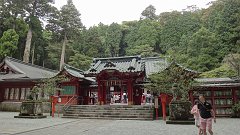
x=109 y=81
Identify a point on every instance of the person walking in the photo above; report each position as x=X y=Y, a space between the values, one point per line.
x=206 y=115
x=196 y=115
x=93 y=98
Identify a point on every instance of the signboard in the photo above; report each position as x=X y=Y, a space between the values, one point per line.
x=112 y=88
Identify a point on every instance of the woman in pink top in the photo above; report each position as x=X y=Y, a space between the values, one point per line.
x=195 y=112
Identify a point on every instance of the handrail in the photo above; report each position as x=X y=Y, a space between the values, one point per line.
x=68 y=102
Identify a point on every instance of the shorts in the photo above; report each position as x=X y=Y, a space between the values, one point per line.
x=197 y=122
x=206 y=123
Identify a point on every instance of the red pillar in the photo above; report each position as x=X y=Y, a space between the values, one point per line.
x=130 y=92
x=99 y=93
x=164 y=100
x=104 y=93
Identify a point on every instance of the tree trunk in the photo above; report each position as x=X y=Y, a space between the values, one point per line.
x=27 y=46
x=33 y=54
x=63 y=51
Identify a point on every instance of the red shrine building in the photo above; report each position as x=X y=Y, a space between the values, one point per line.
x=109 y=81
x=18 y=78
x=123 y=75
x=222 y=93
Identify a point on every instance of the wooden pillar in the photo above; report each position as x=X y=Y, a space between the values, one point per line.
x=99 y=93
x=213 y=99
x=104 y=94
x=130 y=92
x=234 y=96
x=2 y=93
x=164 y=100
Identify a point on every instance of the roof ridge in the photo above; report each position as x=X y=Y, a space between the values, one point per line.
x=122 y=57
x=28 y=64
x=74 y=68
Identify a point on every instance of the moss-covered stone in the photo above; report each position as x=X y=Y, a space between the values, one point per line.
x=31 y=108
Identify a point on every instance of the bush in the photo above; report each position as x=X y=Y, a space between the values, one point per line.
x=236 y=107
x=236 y=110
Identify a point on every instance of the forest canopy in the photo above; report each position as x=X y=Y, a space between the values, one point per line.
x=201 y=39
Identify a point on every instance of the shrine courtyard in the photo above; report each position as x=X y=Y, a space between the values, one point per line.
x=63 y=126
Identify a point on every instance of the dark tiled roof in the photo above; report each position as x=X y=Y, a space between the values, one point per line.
x=217 y=82
x=76 y=73
x=25 y=70
x=148 y=65
x=122 y=64
x=213 y=80
x=154 y=65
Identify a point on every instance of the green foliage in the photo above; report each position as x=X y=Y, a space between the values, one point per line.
x=233 y=60
x=222 y=71
x=197 y=38
x=8 y=43
x=113 y=38
x=149 y=13
x=175 y=79
x=202 y=49
x=236 y=107
x=143 y=50
x=69 y=20
x=50 y=85
x=80 y=61
x=144 y=32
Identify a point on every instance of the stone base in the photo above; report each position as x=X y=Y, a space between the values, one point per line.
x=32 y=117
x=181 y=122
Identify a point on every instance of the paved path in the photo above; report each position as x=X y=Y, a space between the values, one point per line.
x=59 y=126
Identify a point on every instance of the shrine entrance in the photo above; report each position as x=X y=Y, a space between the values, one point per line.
x=116 y=94
x=116 y=87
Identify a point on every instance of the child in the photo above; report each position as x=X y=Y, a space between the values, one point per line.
x=195 y=112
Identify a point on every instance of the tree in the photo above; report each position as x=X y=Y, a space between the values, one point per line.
x=113 y=38
x=143 y=50
x=144 y=32
x=233 y=60
x=202 y=49
x=149 y=13
x=71 y=25
x=80 y=61
x=175 y=77
x=176 y=24
x=8 y=43
x=222 y=18
x=34 y=10
x=222 y=71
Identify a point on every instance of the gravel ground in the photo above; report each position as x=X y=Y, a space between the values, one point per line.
x=60 y=126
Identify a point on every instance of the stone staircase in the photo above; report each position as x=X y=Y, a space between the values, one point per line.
x=118 y=112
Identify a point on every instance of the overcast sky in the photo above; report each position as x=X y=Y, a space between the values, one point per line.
x=107 y=11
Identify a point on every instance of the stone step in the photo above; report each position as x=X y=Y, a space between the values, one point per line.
x=108 y=118
x=84 y=110
x=106 y=108
x=109 y=111
x=135 y=113
x=111 y=115
x=116 y=106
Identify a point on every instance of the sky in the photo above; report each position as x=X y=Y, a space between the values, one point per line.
x=108 y=11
